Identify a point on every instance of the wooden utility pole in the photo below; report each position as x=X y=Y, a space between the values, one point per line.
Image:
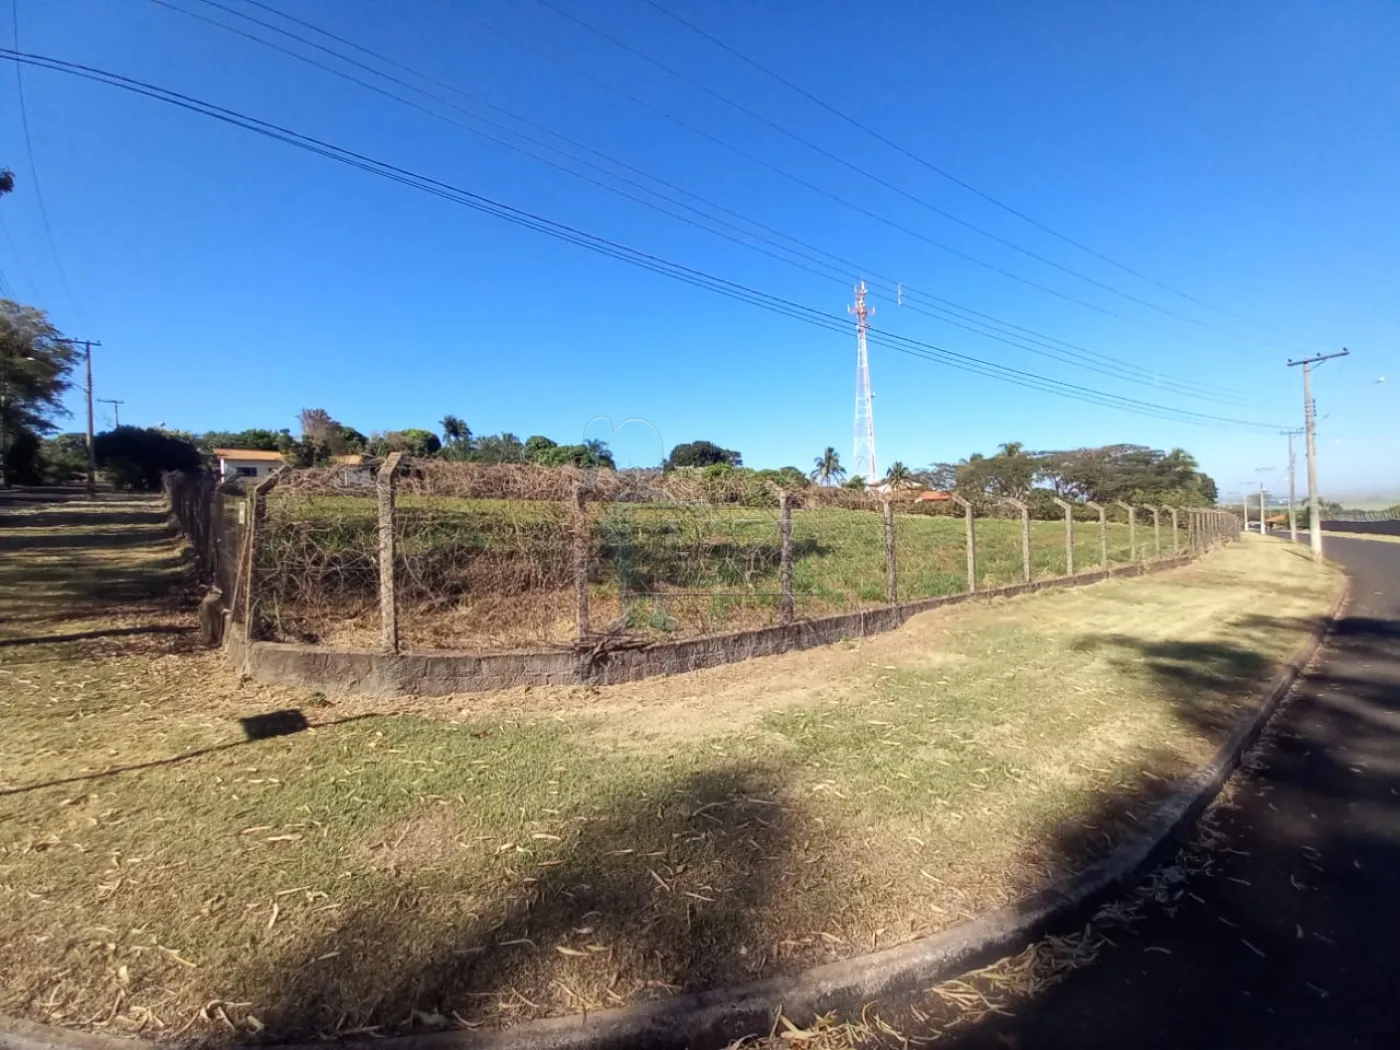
x=1310 y=428
x=87 y=345
x=116 y=409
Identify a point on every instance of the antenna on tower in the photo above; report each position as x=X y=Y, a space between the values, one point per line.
x=863 y=459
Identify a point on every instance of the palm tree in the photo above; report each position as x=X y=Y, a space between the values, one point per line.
x=828 y=470
x=454 y=430
x=899 y=476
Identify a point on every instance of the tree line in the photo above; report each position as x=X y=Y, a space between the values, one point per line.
x=37 y=364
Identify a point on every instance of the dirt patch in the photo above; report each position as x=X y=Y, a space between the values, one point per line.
x=429 y=839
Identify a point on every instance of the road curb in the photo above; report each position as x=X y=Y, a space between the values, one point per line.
x=721 y=1016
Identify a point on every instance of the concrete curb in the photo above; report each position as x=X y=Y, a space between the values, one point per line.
x=720 y=1016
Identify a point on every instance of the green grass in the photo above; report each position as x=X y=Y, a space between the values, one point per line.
x=483 y=860
x=484 y=572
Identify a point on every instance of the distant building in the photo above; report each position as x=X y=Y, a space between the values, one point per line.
x=247 y=463
x=933 y=496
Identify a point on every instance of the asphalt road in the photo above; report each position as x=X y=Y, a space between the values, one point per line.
x=1297 y=941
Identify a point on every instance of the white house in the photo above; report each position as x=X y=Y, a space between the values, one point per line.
x=247 y=463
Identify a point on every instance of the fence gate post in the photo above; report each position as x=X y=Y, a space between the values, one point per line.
x=581 y=560
x=1069 y=533
x=385 y=483
x=257 y=518
x=785 y=554
x=1025 y=536
x=1132 y=528
x=1156 y=530
x=891 y=578
x=971 y=542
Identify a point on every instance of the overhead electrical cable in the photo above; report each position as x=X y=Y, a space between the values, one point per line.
x=963 y=184
x=623 y=253
x=1047 y=346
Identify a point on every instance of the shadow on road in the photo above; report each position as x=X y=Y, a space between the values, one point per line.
x=1285 y=939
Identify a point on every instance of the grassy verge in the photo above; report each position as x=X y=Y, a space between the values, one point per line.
x=483 y=860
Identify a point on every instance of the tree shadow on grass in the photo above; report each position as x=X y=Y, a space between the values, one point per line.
x=661 y=888
x=1273 y=929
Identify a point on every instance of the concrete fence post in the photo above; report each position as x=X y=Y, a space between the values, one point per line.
x=785 y=556
x=1025 y=536
x=1176 y=536
x=1156 y=531
x=891 y=576
x=971 y=542
x=1103 y=531
x=581 y=559
x=386 y=483
x=257 y=523
x=1068 y=508
x=1132 y=528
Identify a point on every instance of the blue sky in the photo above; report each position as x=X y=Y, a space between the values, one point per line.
x=1246 y=154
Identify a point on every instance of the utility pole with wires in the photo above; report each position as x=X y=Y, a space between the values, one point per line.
x=1292 y=499
x=1310 y=429
x=116 y=410
x=87 y=345
x=863 y=461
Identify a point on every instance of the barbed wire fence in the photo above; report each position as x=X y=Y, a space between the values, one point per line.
x=425 y=555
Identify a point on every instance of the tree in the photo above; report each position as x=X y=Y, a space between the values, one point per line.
x=899 y=476
x=35 y=365
x=856 y=483
x=63 y=458
x=136 y=457
x=256 y=439
x=455 y=431
x=789 y=479
x=494 y=448
x=536 y=445
x=829 y=470
x=576 y=456
x=413 y=440
x=701 y=454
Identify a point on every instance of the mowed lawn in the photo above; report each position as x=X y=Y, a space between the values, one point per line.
x=481 y=860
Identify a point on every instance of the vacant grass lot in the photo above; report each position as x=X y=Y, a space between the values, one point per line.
x=498 y=574
x=483 y=860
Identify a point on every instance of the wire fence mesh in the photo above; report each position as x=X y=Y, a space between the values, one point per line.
x=490 y=559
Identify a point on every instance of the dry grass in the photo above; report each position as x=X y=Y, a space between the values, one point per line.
x=487 y=859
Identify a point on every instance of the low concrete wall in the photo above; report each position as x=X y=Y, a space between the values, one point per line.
x=369 y=673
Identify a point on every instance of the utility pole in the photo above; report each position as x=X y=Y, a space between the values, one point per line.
x=1292 y=499
x=864 y=451
x=87 y=345
x=1310 y=427
x=116 y=409
x=1263 y=510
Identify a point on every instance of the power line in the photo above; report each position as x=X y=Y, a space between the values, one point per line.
x=1064 y=352
x=33 y=171
x=784 y=173
x=19 y=264
x=911 y=155
x=914 y=198
x=612 y=249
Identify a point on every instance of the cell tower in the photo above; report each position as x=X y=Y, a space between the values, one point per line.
x=863 y=461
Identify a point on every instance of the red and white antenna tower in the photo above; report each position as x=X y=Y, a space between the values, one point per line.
x=863 y=462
